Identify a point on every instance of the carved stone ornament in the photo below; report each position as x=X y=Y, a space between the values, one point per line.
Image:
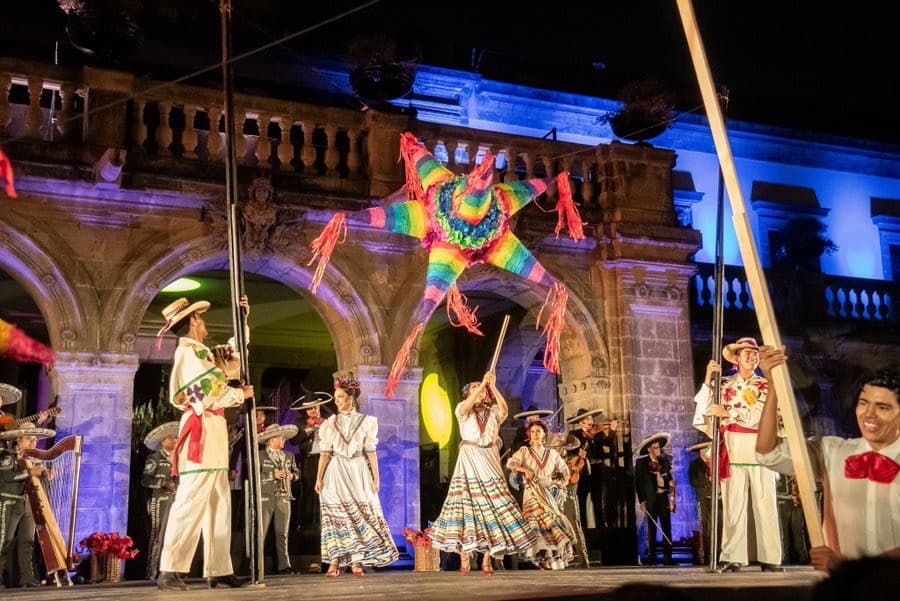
x=267 y=226
x=673 y=293
x=642 y=291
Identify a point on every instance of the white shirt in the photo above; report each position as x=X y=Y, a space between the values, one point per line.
x=471 y=431
x=347 y=435
x=867 y=514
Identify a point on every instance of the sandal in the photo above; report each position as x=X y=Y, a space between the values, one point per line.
x=464 y=567
x=357 y=570
x=334 y=570
x=487 y=568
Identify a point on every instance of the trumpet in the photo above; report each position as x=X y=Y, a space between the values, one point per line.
x=285 y=481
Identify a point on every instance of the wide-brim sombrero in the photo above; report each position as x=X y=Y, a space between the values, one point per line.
x=319 y=398
x=563 y=442
x=178 y=310
x=157 y=435
x=731 y=351
x=27 y=429
x=9 y=394
x=663 y=437
x=287 y=431
x=699 y=446
x=583 y=413
x=538 y=412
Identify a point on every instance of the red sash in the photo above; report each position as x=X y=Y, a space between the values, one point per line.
x=724 y=463
x=193 y=434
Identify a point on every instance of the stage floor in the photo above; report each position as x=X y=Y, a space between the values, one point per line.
x=693 y=583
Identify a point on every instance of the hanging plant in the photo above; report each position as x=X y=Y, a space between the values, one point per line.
x=646 y=112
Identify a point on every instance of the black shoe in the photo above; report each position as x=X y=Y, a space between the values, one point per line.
x=729 y=567
x=230 y=580
x=31 y=584
x=770 y=567
x=285 y=572
x=170 y=581
x=669 y=562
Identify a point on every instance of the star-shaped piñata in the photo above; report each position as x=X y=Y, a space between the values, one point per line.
x=462 y=221
x=15 y=345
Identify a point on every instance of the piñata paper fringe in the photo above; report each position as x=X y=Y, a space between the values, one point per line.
x=323 y=247
x=401 y=360
x=408 y=146
x=7 y=175
x=567 y=209
x=466 y=318
x=556 y=322
x=15 y=345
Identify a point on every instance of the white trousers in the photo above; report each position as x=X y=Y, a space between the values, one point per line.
x=761 y=484
x=202 y=505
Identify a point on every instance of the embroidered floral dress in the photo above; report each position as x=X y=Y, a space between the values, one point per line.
x=353 y=526
x=479 y=513
x=542 y=505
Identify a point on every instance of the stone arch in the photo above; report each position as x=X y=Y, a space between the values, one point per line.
x=36 y=271
x=353 y=328
x=585 y=351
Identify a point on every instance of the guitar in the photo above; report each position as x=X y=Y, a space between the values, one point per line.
x=8 y=422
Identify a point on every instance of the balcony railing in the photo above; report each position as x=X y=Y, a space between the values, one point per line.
x=799 y=299
x=43 y=108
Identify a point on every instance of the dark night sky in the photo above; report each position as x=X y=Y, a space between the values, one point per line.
x=795 y=64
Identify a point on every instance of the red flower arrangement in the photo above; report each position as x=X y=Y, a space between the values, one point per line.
x=100 y=543
x=418 y=538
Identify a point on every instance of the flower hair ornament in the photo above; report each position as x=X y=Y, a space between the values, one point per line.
x=348 y=384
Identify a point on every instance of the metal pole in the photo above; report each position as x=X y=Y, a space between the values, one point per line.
x=239 y=317
x=718 y=328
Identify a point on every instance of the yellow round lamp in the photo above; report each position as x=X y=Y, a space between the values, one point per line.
x=436 y=410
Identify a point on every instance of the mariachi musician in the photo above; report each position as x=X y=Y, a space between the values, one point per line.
x=569 y=446
x=158 y=478
x=307 y=441
x=277 y=470
x=588 y=463
x=17 y=517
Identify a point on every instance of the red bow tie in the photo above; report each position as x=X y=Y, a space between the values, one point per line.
x=874 y=466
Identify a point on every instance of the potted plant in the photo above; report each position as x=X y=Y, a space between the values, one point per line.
x=378 y=71
x=646 y=112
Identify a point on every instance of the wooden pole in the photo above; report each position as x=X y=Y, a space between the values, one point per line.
x=755 y=277
x=499 y=346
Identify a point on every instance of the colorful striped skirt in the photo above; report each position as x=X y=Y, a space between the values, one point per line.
x=479 y=513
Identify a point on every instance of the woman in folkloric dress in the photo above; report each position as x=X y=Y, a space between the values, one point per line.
x=546 y=476
x=479 y=513
x=354 y=532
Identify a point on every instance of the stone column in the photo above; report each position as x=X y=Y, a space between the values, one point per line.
x=398 y=443
x=96 y=397
x=385 y=173
x=656 y=374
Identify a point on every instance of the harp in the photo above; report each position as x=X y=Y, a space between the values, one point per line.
x=54 y=501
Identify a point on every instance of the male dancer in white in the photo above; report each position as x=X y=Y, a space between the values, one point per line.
x=743 y=398
x=202 y=503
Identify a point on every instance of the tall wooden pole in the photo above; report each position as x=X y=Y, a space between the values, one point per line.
x=765 y=314
x=253 y=516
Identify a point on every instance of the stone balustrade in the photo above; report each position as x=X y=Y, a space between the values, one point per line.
x=160 y=124
x=817 y=296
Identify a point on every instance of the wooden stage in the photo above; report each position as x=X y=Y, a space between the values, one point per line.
x=688 y=583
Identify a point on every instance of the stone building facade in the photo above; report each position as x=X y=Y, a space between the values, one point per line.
x=122 y=193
